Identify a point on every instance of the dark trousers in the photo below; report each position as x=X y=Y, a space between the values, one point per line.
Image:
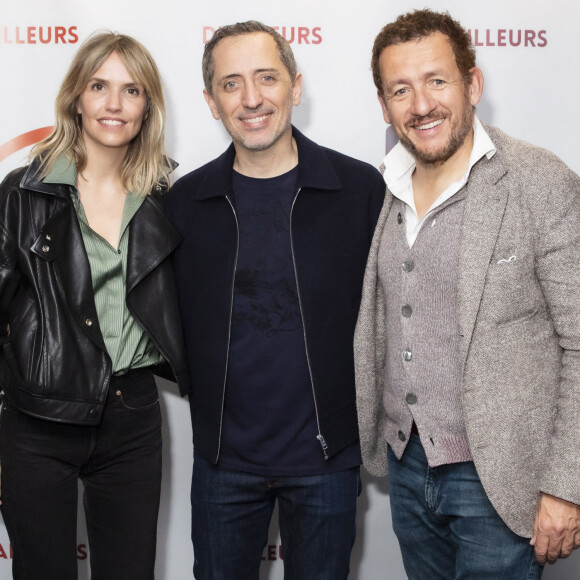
x=231 y=513
x=118 y=461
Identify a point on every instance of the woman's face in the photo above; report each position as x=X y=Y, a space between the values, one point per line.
x=112 y=108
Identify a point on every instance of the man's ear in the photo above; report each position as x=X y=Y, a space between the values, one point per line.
x=212 y=105
x=475 y=86
x=297 y=90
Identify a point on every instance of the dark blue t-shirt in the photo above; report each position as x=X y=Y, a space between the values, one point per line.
x=269 y=422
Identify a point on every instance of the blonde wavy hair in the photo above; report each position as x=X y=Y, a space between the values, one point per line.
x=146 y=166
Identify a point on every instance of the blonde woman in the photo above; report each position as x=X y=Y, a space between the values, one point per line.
x=87 y=315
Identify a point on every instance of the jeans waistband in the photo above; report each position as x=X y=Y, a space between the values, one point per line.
x=131 y=377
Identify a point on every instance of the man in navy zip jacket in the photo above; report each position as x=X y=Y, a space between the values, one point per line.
x=276 y=235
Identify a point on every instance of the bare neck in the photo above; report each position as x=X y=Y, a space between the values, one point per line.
x=103 y=168
x=429 y=181
x=274 y=161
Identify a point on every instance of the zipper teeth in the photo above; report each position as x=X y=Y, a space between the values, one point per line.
x=320 y=437
x=229 y=327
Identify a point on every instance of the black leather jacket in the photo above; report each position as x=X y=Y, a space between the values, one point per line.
x=53 y=361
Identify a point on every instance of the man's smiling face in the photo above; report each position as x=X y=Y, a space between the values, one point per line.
x=426 y=99
x=252 y=91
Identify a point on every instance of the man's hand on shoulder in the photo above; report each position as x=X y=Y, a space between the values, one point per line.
x=556 y=529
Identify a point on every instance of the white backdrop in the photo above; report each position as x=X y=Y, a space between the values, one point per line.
x=526 y=50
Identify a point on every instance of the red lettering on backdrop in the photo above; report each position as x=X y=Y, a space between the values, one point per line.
x=303 y=35
x=501 y=37
x=543 y=39
x=530 y=35
x=42 y=38
x=488 y=41
x=81 y=552
x=34 y=34
x=283 y=33
x=517 y=37
x=59 y=33
x=3 y=553
x=272 y=553
x=23 y=141
x=316 y=35
x=208 y=32
x=300 y=34
x=74 y=37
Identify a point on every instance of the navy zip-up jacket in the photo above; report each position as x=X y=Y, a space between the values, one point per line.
x=332 y=223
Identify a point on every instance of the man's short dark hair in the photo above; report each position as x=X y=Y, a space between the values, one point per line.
x=239 y=29
x=420 y=24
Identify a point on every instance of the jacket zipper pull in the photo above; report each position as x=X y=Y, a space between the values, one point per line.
x=323 y=445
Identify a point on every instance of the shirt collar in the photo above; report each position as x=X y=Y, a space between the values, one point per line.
x=64 y=172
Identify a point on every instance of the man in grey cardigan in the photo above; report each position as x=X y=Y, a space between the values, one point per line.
x=467 y=346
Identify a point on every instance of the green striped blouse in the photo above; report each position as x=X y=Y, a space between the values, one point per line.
x=127 y=344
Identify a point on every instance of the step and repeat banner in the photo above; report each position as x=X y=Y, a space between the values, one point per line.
x=526 y=50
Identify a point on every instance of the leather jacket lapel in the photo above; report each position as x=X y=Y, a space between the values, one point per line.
x=151 y=239
x=61 y=242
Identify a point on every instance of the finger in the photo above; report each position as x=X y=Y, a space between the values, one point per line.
x=541 y=548
x=567 y=545
x=554 y=550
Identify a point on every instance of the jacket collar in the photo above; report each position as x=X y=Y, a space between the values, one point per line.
x=32 y=181
x=314 y=170
x=58 y=182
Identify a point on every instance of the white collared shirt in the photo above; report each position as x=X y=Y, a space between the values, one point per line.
x=400 y=165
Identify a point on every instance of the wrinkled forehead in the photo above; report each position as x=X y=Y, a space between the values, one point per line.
x=246 y=53
x=417 y=57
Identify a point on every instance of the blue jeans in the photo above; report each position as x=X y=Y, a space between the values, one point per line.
x=231 y=513
x=446 y=525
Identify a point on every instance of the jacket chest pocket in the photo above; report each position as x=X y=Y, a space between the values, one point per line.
x=512 y=292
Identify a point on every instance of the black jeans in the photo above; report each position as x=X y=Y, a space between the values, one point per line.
x=119 y=463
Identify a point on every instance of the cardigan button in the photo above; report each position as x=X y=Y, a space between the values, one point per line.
x=402 y=436
x=411 y=398
x=88 y=322
x=399 y=218
x=408 y=265
x=406 y=311
x=407 y=355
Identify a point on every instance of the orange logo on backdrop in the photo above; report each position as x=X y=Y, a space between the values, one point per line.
x=23 y=141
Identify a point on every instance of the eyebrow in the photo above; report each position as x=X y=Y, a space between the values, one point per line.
x=106 y=81
x=257 y=71
x=428 y=74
